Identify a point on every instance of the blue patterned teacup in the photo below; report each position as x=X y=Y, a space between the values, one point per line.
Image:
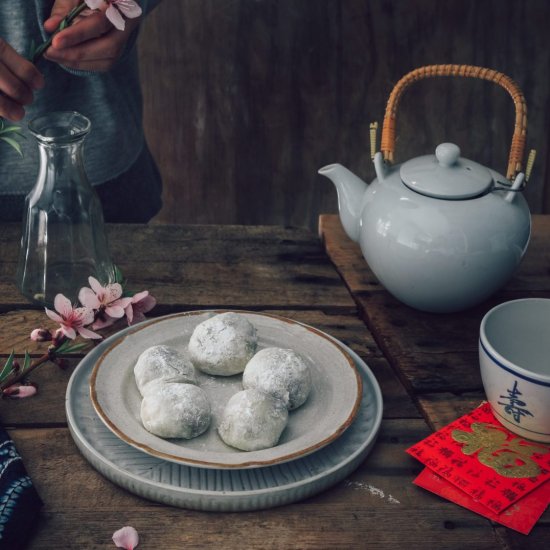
x=514 y=355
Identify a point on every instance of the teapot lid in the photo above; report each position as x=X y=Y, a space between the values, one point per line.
x=446 y=175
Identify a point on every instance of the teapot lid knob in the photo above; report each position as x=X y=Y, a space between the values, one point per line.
x=447 y=154
x=447 y=175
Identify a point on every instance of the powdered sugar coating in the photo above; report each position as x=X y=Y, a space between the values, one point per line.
x=252 y=421
x=165 y=363
x=223 y=344
x=281 y=373
x=174 y=410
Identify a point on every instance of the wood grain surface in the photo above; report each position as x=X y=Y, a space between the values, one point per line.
x=284 y=271
x=206 y=266
x=376 y=507
x=244 y=100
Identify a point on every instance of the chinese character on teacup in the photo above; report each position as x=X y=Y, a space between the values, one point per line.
x=514 y=355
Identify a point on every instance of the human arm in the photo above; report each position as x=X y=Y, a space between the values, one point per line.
x=19 y=78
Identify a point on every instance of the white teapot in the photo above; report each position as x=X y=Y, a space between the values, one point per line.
x=440 y=232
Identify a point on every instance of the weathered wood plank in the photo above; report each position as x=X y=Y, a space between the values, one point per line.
x=443 y=408
x=79 y=513
x=206 y=266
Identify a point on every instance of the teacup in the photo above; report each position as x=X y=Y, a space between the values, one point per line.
x=514 y=355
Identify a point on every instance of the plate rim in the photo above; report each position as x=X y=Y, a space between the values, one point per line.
x=217 y=465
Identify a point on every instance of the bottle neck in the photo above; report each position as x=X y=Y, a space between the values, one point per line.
x=61 y=166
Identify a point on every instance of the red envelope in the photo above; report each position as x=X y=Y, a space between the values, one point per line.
x=483 y=459
x=521 y=516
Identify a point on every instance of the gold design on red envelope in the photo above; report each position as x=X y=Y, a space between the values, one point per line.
x=512 y=458
x=478 y=456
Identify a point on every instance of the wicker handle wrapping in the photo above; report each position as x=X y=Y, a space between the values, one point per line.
x=520 y=129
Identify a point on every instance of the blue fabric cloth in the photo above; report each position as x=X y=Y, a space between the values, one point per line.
x=19 y=502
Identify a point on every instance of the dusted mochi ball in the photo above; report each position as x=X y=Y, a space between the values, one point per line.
x=164 y=363
x=281 y=373
x=223 y=345
x=174 y=410
x=253 y=420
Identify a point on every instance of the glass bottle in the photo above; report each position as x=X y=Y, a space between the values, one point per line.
x=63 y=240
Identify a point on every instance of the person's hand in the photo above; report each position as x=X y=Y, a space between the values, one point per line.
x=91 y=43
x=18 y=79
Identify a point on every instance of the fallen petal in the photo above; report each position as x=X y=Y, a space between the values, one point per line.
x=127 y=538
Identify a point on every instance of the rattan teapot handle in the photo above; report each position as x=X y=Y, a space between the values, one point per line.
x=517 y=147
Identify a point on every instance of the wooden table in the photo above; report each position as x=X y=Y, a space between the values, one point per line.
x=425 y=364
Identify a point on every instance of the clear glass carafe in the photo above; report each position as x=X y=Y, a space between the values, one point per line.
x=63 y=240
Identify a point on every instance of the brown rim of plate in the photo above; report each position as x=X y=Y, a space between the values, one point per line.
x=255 y=463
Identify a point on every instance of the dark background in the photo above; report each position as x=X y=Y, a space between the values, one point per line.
x=246 y=99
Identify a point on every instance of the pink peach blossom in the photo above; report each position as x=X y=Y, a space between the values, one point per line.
x=72 y=320
x=116 y=9
x=141 y=303
x=127 y=538
x=104 y=298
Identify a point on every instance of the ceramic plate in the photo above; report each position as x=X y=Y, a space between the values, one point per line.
x=224 y=490
x=330 y=409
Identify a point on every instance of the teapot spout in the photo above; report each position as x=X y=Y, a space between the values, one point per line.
x=351 y=190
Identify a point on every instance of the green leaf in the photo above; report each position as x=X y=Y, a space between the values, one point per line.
x=4 y=373
x=71 y=348
x=26 y=362
x=68 y=347
x=17 y=129
x=63 y=346
x=119 y=278
x=15 y=144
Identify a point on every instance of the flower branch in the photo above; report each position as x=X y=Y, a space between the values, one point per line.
x=65 y=22
x=101 y=306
